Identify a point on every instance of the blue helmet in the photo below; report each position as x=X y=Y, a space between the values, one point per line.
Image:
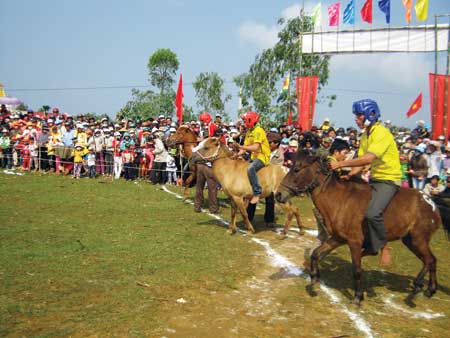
x=366 y=107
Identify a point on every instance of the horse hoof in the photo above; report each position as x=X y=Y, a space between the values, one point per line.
x=282 y=235
x=357 y=301
x=429 y=293
x=231 y=231
x=301 y=232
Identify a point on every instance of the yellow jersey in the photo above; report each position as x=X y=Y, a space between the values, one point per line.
x=380 y=142
x=258 y=135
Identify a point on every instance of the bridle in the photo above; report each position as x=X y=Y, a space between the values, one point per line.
x=309 y=188
x=213 y=157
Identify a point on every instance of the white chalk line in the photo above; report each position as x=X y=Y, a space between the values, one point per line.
x=277 y=260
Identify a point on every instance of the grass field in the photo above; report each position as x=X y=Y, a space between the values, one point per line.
x=98 y=258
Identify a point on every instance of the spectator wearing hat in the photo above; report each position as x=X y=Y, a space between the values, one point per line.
x=128 y=161
x=6 y=149
x=42 y=142
x=117 y=155
x=157 y=174
x=325 y=125
x=446 y=162
x=108 y=152
x=34 y=159
x=79 y=154
x=420 y=131
x=90 y=158
x=418 y=167
x=97 y=142
x=434 y=159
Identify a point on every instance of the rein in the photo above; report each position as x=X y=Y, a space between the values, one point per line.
x=309 y=188
x=213 y=157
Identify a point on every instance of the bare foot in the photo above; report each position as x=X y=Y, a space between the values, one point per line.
x=255 y=199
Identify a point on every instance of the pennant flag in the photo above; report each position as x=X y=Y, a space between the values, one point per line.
x=333 y=14
x=421 y=8
x=349 y=13
x=179 y=100
x=316 y=16
x=285 y=90
x=417 y=104
x=408 y=5
x=440 y=111
x=366 y=11
x=306 y=100
x=2 y=91
x=385 y=7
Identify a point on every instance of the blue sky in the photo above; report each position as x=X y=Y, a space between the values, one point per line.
x=67 y=44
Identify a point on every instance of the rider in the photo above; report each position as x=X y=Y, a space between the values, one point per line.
x=257 y=144
x=379 y=150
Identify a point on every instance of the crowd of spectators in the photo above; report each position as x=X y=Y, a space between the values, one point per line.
x=82 y=146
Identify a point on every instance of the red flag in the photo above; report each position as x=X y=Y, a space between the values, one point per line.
x=333 y=14
x=306 y=100
x=289 y=121
x=417 y=104
x=366 y=11
x=179 y=100
x=440 y=119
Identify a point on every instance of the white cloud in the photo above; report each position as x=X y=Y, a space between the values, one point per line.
x=259 y=35
x=266 y=36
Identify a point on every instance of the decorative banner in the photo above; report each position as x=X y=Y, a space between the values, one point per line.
x=440 y=124
x=417 y=104
x=333 y=14
x=179 y=100
x=385 y=7
x=349 y=13
x=306 y=100
x=408 y=5
x=366 y=11
x=421 y=8
x=289 y=121
x=316 y=15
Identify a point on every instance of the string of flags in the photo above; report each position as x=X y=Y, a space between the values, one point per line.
x=366 y=12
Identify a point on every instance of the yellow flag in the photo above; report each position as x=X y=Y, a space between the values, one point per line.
x=2 y=92
x=421 y=8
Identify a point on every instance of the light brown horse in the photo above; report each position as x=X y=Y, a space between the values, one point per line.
x=186 y=137
x=343 y=204
x=232 y=176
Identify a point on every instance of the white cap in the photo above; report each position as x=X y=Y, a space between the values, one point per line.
x=327 y=119
x=173 y=129
x=388 y=121
x=154 y=130
x=161 y=116
x=421 y=123
x=49 y=120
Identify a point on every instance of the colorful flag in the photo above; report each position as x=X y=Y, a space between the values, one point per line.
x=417 y=104
x=366 y=12
x=421 y=8
x=408 y=5
x=316 y=16
x=333 y=14
x=2 y=91
x=306 y=100
x=440 y=112
x=385 y=7
x=284 y=90
x=179 y=100
x=349 y=13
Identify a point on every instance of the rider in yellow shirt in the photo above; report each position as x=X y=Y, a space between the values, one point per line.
x=257 y=144
x=379 y=150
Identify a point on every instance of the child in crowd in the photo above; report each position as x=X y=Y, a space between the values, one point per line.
x=26 y=155
x=404 y=168
x=171 y=169
x=91 y=162
x=33 y=154
x=78 y=159
x=128 y=161
x=434 y=187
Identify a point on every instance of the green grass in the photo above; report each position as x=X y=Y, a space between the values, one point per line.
x=74 y=251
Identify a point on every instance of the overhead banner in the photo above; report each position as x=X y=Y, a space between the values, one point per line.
x=440 y=112
x=306 y=100
x=399 y=39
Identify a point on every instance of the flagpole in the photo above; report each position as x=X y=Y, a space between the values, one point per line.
x=300 y=40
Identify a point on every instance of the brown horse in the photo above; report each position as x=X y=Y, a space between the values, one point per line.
x=232 y=176
x=186 y=137
x=409 y=216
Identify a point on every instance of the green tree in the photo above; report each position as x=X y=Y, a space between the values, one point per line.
x=144 y=104
x=260 y=85
x=22 y=107
x=45 y=108
x=211 y=96
x=162 y=67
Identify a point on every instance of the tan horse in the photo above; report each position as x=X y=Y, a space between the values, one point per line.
x=186 y=137
x=232 y=176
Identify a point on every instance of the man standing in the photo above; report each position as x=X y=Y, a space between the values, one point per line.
x=379 y=150
x=257 y=144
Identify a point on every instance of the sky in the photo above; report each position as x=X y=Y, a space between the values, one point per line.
x=51 y=47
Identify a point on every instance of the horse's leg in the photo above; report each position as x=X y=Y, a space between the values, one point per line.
x=420 y=247
x=319 y=253
x=355 y=250
x=232 y=226
x=193 y=169
x=243 y=210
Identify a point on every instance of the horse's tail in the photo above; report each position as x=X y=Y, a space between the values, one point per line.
x=443 y=205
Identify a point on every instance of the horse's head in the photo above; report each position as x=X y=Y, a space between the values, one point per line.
x=208 y=150
x=303 y=176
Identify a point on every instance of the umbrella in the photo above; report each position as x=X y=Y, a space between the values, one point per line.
x=11 y=101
